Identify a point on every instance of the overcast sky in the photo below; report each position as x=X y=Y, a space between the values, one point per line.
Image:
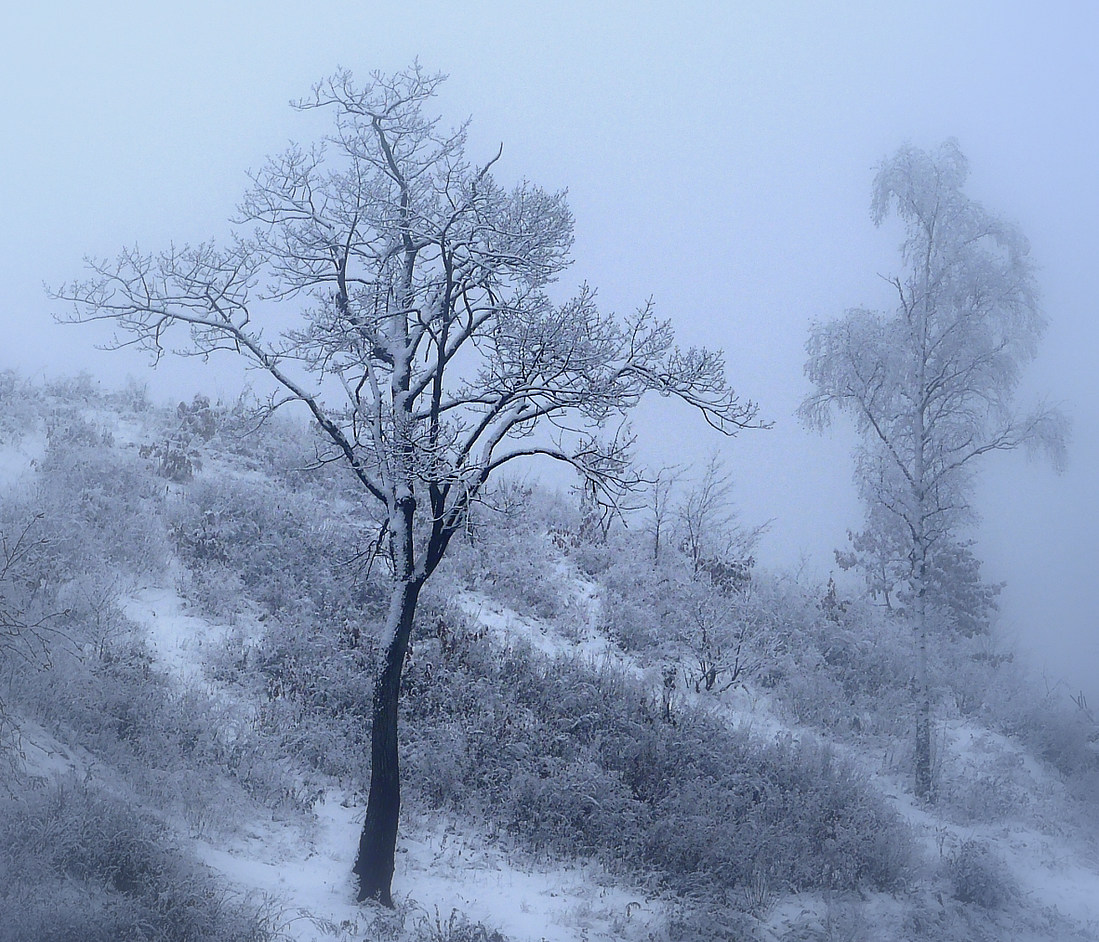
x=718 y=156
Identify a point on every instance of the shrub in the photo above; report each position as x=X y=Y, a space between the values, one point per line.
x=22 y=410
x=576 y=759
x=978 y=876
x=991 y=798
x=78 y=865
x=100 y=504
x=194 y=753
x=457 y=928
x=515 y=565
x=317 y=693
x=293 y=555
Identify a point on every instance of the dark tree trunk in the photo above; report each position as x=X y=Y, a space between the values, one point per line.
x=378 y=843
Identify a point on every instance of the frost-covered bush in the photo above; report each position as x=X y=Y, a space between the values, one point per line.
x=195 y=754
x=836 y=664
x=709 y=920
x=77 y=865
x=837 y=920
x=291 y=552
x=101 y=507
x=1059 y=732
x=277 y=447
x=22 y=407
x=987 y=797
x=25 y=596
x=90 y=617
x=574 y=759
x=177 y=450
x=1064 y=737
x=516 y=568
x=456 y=928
x=215 y=589
x=507 y=555
x=571 y=757
x=316 y=696
x=792 y=813
x=572 y=806
x=978 y=876
x=669 y=613
x=640 y=610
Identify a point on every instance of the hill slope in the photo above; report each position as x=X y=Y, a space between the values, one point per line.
x=596 y=745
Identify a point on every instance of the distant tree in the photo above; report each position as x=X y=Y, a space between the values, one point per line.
x=711 y=533
x=660 y=507
x=955 y=588
x=931 y=387
x=719 y=633
x=424 y=342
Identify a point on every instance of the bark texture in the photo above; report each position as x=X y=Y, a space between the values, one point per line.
x=378 y=841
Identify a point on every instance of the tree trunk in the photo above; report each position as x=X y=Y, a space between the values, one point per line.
x=923 y=784
x=924 y=789
x=378 y=843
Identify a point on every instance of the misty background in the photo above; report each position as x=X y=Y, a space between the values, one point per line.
x=718 y=158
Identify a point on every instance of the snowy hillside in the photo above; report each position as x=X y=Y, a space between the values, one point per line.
x=596 y=744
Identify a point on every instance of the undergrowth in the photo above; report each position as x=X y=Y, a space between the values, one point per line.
x=79 y=865
x=579 y=760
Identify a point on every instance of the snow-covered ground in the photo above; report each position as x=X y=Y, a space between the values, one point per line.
x=177 y=640
x=1052 y=871
x=17 y=459
x=300 y=868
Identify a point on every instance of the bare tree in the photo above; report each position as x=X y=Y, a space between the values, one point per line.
x=426 y=344
x=711 y=533
x=931 y=386
x=717 y=631
x=660 y=507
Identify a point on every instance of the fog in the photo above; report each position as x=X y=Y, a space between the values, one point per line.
x=718 y=158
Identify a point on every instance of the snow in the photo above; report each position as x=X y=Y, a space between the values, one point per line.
x=441 y=868
x=304 y=875
x=301 y=872
x=739 y=706
x=17 y=459
x=1050 y=871
x=510 y=626
x=177 y=641
x=45 y=758
x=1069 y=887
x=299 y=868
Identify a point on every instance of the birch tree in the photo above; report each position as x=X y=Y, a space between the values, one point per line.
x=931 y=384
x=427 y=341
